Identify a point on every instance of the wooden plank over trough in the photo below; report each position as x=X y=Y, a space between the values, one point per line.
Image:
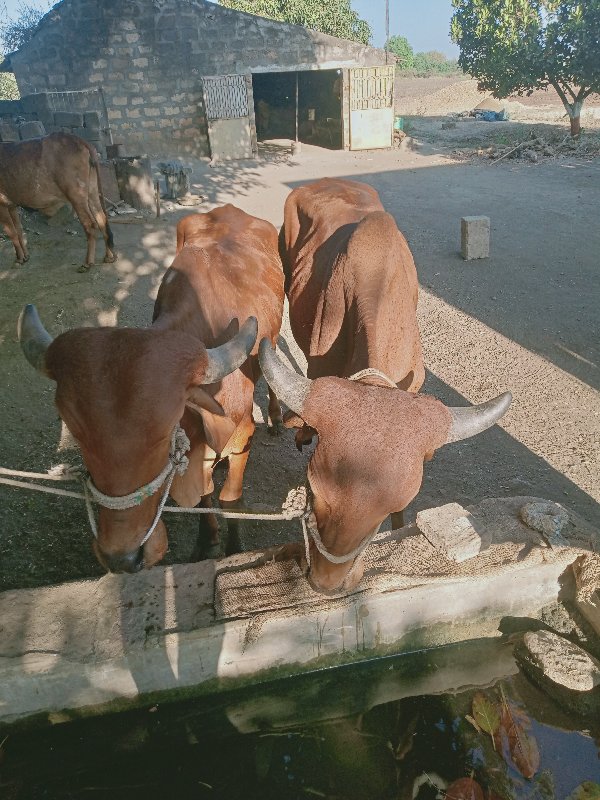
x=123 y=641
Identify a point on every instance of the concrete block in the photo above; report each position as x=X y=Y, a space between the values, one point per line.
x=68 y=119
x=33 y=103
x=136 y=186
x=10 y=108
x=9 y=132
x=91 y=119
x=108 y=179
x=31 y=130
x=475 y=237
x=450 y=529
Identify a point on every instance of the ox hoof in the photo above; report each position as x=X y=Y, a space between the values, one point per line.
x=202 y=552
x=275 y=428
x=84 y=268
x=111 y=259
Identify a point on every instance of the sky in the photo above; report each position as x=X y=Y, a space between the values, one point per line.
x=425 y=23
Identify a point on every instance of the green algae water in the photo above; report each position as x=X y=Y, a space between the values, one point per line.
x=458 y=722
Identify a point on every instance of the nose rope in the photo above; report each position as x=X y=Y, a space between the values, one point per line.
x=309 y=528
x=177 y=464
x=309 y=521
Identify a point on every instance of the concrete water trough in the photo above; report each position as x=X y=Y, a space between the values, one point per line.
x=121 y=642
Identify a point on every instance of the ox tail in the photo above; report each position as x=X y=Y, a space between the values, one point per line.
x=94 y=164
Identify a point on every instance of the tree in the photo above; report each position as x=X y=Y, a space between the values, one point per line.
x=18 y=30
x=334 y=17
x=399 y=46
x=517 y=46
x=8 y=87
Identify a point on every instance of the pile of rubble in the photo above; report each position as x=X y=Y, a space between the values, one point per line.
x=536 y=148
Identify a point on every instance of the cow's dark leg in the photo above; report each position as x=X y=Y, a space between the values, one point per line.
x=276 y=427
x=16 y=221
x=81 y=208
x=231 y=493
x=101 y=220
x=208 y=544
x=397 y=520
x=7 y=222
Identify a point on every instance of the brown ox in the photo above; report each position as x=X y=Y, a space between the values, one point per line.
x=352 y=288
x=44 y=174
x=122 y=392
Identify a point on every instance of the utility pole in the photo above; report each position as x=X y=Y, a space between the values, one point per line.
x=387 y=29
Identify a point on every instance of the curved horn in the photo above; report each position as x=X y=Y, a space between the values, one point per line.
x=226 y=358
x=470 y=421
x=34 y=338
x=290 y=387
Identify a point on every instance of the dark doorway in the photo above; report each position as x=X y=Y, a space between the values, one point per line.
x=319 y=101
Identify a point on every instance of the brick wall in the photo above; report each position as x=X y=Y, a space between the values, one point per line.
x=149 y=56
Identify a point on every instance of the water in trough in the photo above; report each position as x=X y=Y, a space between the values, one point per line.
x=402 y=727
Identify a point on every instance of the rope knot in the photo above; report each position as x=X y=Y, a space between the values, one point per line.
x=180 y=444
x=295 y=503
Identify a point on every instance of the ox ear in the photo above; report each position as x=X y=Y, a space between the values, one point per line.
x=34 y=338
x=200 y=400
x=304 y=433
x=329 y=315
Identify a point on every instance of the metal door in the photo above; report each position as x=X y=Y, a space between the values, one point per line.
x=371 y=107
x=227 y=105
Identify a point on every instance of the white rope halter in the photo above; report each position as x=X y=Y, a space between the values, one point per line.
x=309 y=528
x=177 y=464
x=309 y=521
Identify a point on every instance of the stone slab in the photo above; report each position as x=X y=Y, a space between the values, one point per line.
x=586 y=571
x=565 y=671
x=450 y=528
x=31 y=130
x=9 y=132
x=123 y=641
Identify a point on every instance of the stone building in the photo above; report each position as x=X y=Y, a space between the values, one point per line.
x=192 y=77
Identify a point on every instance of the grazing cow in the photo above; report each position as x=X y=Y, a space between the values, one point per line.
x=352 y=289
x=123 y=392
x=44 y=174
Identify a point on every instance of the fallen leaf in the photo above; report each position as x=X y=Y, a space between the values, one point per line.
x=588 y=790
x=473 y=722
x=515 y=742
x=487 y=714
x=464 y=789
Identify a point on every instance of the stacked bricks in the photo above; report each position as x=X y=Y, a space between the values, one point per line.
x=41 y=119
x=9 y=131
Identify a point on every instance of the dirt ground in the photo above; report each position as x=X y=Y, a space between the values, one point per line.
x=526 y=319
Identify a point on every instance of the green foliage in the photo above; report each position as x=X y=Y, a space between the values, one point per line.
x=8 y=87
x=399 y=46
x=18 y=30
x=434 y=62
x=586 y=791
x=517 y=46
x=334 y=17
